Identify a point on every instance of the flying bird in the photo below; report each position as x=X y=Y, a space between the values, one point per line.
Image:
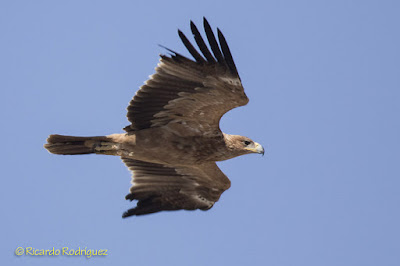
x=174 y=140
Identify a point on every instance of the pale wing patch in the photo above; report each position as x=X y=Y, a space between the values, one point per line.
x=203 y=201
x=232 y=81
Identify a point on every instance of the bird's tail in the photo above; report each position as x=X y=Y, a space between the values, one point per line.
x=70 y=145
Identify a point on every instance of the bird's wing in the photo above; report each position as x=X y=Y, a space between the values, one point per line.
x=161 y=187
x=192 y=93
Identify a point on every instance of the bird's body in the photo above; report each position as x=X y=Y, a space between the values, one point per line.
x=174 y=138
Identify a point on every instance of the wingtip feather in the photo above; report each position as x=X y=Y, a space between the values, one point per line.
x=213 y=42
x=190 y=48
x=227 y=53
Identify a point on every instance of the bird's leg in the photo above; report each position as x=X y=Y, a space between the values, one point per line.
x=106 y=148
x=111 y=148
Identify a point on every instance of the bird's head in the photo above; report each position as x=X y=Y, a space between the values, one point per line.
x=240 y=145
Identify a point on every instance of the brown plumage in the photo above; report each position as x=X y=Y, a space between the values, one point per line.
x=174 y=138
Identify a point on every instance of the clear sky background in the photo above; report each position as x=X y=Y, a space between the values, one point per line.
x=323 y=78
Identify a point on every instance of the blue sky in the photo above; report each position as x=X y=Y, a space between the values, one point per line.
x=323 y=78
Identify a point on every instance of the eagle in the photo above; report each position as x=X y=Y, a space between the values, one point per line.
x=173 y=141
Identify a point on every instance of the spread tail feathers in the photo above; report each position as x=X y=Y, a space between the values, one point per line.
x=69 y=145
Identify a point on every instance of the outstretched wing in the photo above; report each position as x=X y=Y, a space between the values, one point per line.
x=165 y=188
x=193 y=93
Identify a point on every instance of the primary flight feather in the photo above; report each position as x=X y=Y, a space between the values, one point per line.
x=174 y=138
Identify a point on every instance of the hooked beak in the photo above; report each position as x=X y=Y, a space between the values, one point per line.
x=257 y=148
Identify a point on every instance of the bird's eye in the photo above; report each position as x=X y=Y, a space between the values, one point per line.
x=246 y=142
